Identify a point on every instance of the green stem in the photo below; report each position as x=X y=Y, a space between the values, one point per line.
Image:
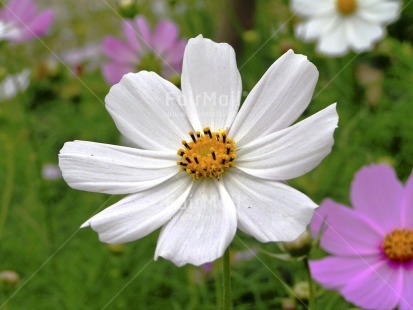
x=227 y=281
x=8 y=188
x=312 y=302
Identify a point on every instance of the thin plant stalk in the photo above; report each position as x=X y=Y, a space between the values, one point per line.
x=226 y=305
x=311 y=300
x=8 y=188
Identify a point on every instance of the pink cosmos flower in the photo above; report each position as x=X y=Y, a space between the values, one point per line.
x=159 y=50
x=20 y=21
x=371 y=244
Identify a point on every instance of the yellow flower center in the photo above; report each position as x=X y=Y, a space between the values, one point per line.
x=346 y=7
x=208 y=154
x=398 y=245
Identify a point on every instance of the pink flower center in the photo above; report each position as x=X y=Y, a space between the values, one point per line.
x=346 y=7
x=207 y=155
x=398 y=245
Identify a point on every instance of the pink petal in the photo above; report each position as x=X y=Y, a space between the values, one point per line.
x=130 y=33
x=172 y=64
x=346 y=232
x=144 y=31
x=40 y=25
x=175 y=55
x=164 y=37
x=119 y=51
x=113 y=72
x=378 y=287
x=407 y=205
x=406 y=300
x=377 y=193
x=20 y=11
x=335 y=272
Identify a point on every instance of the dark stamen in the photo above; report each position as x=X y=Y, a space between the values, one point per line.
x=231 y=159
x=186 y=145
x=213 y=155
x=223 y=161
x=188 y=159
x=183 y=164
x=208 y=132
x=224 y=138
x=228 y=149
x=192 y=136
x=198 y=134
x=196 y=160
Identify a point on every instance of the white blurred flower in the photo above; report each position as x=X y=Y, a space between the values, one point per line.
x=14 y=84
x=8 y=31
x=51 y=172
x=342 y=25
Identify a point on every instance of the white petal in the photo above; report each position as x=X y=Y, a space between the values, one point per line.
x=291 y=152
x=202 y=230
x=104 y=168
x=379 y=11
x=361 y=34
x=211 y=84
x=277 y=100
x=146 y=110
x=268 y=210
x=334 y=42
x=314 y=27
x=140 y=214
x=14 y=84
x=312 y=7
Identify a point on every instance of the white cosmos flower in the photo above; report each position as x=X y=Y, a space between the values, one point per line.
x=342 y=25
x=228 y=178
x=13 y=84
x=8 y=31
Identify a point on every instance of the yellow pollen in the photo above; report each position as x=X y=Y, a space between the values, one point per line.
x=207 y=154
x=346 y=7
x=398 y=245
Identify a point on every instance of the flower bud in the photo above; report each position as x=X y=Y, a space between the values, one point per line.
x=302 y=290
x=9 y=277
x=300 y=246
x=128 y=8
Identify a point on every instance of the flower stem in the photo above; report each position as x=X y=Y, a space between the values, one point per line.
x=226 y=305
x=7 y=194
x=312 y=302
